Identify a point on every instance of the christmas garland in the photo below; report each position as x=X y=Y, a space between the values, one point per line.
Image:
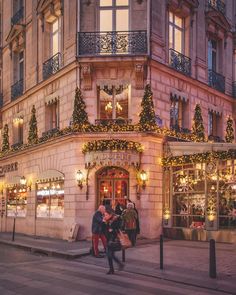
x=199 y=158
x=113 y=144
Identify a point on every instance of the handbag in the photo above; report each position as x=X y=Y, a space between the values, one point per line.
x=124 y=240
x=114 y=245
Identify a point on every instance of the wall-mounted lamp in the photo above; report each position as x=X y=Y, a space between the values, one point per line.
x=166 y=215
x=211 y=215
x=23 y=180
x=80 y=178
x=143 y=178
x=24 y=184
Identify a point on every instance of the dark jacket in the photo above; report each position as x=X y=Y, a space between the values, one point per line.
x=97 y=223
x=113 y=227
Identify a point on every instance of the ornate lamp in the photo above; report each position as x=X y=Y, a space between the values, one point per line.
x=80 y=178
x=143 y=178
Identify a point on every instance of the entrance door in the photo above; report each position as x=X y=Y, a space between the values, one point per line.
x=113 y=186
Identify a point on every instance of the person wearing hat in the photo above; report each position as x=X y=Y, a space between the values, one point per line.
x=129 y=219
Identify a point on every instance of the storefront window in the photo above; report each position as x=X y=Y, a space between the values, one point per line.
x=16 y=203
x=50 y=199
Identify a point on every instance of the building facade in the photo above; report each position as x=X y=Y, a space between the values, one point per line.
x=110 y=50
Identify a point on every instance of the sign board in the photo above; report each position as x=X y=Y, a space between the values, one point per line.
x=8 y=168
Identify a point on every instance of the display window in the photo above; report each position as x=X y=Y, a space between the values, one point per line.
x=50 y=199
x=16 y=203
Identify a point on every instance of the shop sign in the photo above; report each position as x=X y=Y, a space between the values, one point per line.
x=8 y=168
x=110 y=158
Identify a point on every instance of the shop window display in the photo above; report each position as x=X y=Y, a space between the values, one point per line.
x=50 y=199
x=16 y=203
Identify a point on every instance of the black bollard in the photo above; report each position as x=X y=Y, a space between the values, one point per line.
x=212 y=255
x=14 y=229
x=161 y=251
x=123 y=255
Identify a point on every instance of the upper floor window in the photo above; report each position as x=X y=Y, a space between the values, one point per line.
x=18 y=131
x=17 y=11
x=52 y=116
x=214 y=124
x=54 y=46
x=114 y=15
x=176 y=32
x=212 y=55
x=113 y=102
x=178 y=114
x=18 y=74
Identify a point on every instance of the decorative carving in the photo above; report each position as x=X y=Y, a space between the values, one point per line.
x=87 y=76
x=139 y=75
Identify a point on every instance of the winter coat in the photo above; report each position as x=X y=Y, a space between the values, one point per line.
x=129 y=218
x=97 y=223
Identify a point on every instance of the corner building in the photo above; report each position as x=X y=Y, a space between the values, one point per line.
x=111 y=49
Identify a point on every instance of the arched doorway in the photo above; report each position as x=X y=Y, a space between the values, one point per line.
x=113 y=186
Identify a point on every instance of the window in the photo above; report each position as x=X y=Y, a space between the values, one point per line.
x=176 y=33
x=18 y=131
x=113 y=102
x=214 y=123
x=54 y=46
x=178 y=113
x=18 y=66
x=16 y=202
x=50 y=199
x=52 y=116
x=212 y=55
x=114 y=15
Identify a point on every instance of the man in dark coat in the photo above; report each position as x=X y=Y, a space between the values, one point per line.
x=97 y=231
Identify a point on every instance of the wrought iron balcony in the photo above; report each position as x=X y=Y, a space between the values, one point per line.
x=17 y=89
x=119 y=121
x=1 y=100
x=179 y=129
x=51 y=66
x=216 y=81
x=17 y=145
x=180 y=62
x=112 y=43
x=234 y=89
x=217 y=5
x=17 y=16
x=215 y=138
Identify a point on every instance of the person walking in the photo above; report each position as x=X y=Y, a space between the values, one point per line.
x=98 y=231
x=113 y=224
x=129 y=220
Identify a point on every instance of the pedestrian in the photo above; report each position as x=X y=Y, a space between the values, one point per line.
x=98 y=231
x=129 y=221
x=113 y=225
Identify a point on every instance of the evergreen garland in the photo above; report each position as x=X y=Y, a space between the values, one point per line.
x=147 y=116
x=80 y=116
x=5 y=139
x=229 y=137
x=33 y=129
x=198 y=127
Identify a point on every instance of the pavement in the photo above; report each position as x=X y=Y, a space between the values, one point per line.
x=185 y=262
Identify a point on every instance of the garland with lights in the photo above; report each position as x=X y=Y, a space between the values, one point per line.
x=229 y=137
x=33 y=129
x=113 y=144
x=199 y=158
x=5 y=139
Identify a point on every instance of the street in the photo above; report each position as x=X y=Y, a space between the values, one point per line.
x=22 y=272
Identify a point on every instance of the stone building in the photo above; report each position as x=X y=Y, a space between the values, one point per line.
x=110 y=50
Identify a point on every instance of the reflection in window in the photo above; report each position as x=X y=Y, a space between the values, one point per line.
x=50 y=199
x=113 y=102
x=16 y=203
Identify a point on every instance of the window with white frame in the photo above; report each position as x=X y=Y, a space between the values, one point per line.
x=176 y=33
x=55 y=37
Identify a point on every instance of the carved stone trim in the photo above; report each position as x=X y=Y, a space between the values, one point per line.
x=139 y=76
x=86 y=71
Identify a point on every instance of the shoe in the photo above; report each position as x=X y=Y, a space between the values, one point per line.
x=99 y=256
x=110 y=272
x=121 y=266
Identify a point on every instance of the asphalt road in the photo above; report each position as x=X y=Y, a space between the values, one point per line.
x=25 y=273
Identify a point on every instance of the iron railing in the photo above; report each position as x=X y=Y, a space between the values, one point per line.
x=112 y=43
x=17 y=145
x=216 y=81
x=215 y=138
x=217 y=5
x=180 y=62
x=51 y=66
x=1 y=100
x=234 y=89
x=179 y=129
x=17 y=16
x=17 y=89
x=120 y=121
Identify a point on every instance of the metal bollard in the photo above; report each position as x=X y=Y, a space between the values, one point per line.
x=212 y=256
x=123 y=255
x=14 y=229
x=161 y=251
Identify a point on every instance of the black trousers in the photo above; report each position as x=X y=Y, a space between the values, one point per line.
x=132 y=235
x=111 y=256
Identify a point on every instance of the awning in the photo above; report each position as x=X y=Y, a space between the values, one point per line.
x=50 y=175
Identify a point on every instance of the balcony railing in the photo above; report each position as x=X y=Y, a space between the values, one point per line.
x=1 y=100
x=112 y=43
x=217 y=5
x=119 y=121
x=180 y=62
x=234 y=89
x=17 y=16
x=17 y=89
x=215 y=138
x=216 y=81
x=51 y=66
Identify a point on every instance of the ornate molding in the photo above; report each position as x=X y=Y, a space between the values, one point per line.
x=139 y=76
x=86 y=70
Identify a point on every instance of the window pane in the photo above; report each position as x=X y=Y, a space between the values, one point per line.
x=105 y=20
x=122 y=20
x=57 y=200
x=55 y=44
x=171 y=41
x=55 y=26
x=43 y=200
x=171 y=17
x=178 y=41
x=122 y=2
x=105 y=2
x=178 y=21
x=122 y=104
x=106 y=104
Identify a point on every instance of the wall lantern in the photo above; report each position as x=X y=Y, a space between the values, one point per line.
x=166 y=215
x=23 y=180
x=24 y=185
x=80 y=178
x=143 y=178
x=211 y=215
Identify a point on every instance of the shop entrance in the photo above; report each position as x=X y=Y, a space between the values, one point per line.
x=113 y=186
